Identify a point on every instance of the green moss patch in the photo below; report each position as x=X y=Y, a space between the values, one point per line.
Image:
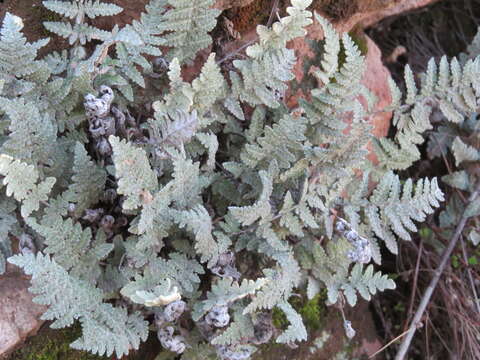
x=312 y=311
x=52 y=344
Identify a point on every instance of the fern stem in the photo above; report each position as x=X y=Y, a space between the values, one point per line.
x=235 y=52
x=273 y=12
x=433 y=283
x=269 y=23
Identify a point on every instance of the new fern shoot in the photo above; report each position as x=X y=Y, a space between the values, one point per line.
x=199 y=209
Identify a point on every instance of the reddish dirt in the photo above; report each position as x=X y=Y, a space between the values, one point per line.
x=132 y=9
x=248 y=17
x=19 y=317
x=33 y=14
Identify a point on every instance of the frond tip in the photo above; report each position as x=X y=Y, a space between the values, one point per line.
x=391 y=208
x=366 y=283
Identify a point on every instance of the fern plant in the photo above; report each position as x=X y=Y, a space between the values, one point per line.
x=211 y=208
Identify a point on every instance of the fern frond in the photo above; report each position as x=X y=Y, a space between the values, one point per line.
x=264 y=76
x=188 y=23
x=279 y=282
x=450 y=87
x=329 y=102
x=17 y=56
x=463 y=152
x=391 y=208
x=78 y=32
x=23 y=183
x=186 y=186
x=198 y=221
x=65 y=8
x=88 y=181
x=73 y=247
x=366 y=283
x=280 y=142
x=76 y=11
x=174 y=129
x=32 y=136
x=247 y=215
x=131 y=55
x=240 y=329
x=296 y=331
x=155 y=213
x=331 y=51
x=105 y=329
x=183 y=272
x=226 y=291
x=209 y=86
x=270 y=63
x=94 y=8
x=136 y=179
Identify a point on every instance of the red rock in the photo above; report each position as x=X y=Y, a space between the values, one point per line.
x=19 y=316
x=375 y=76
x=376 y=79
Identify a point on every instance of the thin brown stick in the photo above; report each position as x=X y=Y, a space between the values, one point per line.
x=427 y=336
x=433 y=283
x=273 y=12
x=470 y=277
x=270 y=20
x=388 y=344
x=414 y=286
x=235 y=52
x=439 y=336
x=452 y=302
x=386 y=326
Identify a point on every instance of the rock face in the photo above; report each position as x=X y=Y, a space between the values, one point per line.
x=375 y=79
x=19 y=316
x=375 y=76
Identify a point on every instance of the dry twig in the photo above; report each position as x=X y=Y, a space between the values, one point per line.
x=414 y=286
x=269 y=23
x=470 y=277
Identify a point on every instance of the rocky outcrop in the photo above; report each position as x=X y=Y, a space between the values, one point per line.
x=19 y=316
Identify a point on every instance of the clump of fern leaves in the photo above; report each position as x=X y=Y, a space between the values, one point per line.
x=201 y=219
